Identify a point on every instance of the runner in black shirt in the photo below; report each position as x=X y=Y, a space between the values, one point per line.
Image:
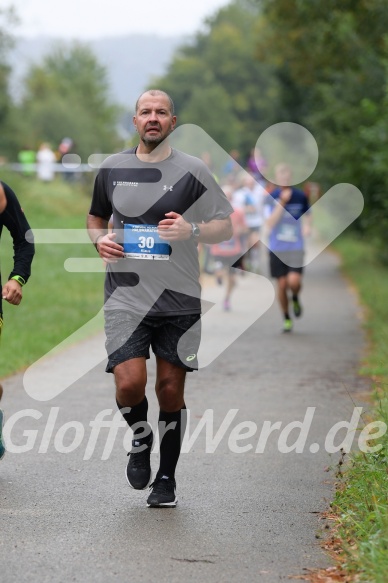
x=12 y=217
x=163 y=203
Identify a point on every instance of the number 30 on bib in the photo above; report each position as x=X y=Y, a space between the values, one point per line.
x=143 y=242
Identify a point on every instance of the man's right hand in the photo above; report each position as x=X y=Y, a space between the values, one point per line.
x=285 y=195
x=108 y=250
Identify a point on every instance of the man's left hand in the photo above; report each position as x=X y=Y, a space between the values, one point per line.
x=12 y=292
x=174 y=228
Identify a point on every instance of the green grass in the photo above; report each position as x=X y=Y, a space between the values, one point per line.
x=55 y=302
x=371 y=280
x=361 y=500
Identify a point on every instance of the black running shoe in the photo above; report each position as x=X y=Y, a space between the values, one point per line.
x=163 y=493
x=138 y=470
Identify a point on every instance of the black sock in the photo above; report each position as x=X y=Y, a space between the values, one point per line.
x=170 y=446
x=137 y=414
x=287 y=316
x=295 y=297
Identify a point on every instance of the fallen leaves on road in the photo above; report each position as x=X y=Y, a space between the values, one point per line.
x=330 y=575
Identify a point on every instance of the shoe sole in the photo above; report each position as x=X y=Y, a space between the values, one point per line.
x=133 y=487
x=164 y=504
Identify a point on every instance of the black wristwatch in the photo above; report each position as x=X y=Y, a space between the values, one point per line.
x=195 y=230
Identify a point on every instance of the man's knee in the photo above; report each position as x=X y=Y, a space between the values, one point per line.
x=170 y=395
x=294 y=280
x=130 y=385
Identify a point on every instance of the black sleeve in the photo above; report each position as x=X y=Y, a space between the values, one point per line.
x=15 y=221
x=101 y=205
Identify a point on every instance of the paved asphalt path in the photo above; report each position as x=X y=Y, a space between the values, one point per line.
x=241 y=517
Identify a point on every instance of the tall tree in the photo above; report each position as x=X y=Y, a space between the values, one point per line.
x=331 y=62
x=7 y=21
x=67 y=95
x=218 y=83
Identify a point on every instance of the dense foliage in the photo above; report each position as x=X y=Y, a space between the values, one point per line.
x=331 y=59
x=7 y=19
x=64 y=96
x=219 y=84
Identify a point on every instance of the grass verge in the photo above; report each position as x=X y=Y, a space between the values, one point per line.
x=56 y=303
x=360 y=503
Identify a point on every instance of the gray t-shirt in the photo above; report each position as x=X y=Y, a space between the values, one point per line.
x=153 y=278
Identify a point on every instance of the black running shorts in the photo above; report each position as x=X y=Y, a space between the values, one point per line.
x=285 y=262
x=161 y=333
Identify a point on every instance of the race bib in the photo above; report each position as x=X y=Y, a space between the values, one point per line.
x=288 y=233
x=143 y=242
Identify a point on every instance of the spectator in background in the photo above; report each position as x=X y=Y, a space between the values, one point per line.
x=45 y=159
x=27 y=159
x=66 y=147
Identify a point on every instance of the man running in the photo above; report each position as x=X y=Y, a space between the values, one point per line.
x=163 y=202
x=12 y=217
x=284 y=209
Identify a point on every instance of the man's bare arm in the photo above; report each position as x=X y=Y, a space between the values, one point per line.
x=97 y=227
x=3 y=199
x=176 y=228
x=216 y=231
x=103 y=240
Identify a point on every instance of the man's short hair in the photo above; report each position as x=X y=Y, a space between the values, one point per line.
x=155 y=92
